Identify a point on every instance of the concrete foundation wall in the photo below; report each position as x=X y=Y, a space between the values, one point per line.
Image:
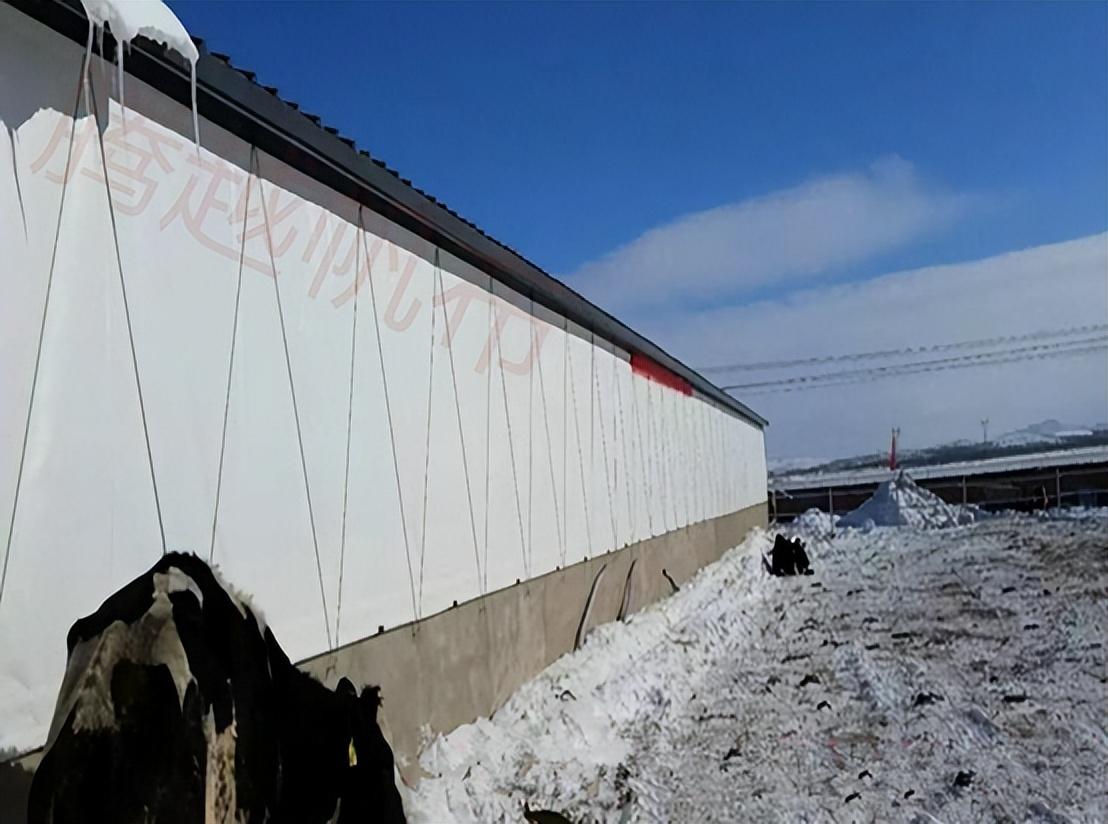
x=464 y=663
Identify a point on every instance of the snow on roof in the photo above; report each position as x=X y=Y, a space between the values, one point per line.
x=150 y=18
x=900 y=502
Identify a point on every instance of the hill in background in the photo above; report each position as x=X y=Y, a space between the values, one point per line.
x=1044 y=436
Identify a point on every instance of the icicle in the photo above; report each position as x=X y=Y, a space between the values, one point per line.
x=104 y=81
x=85 y=68
x=119 y=71
x=195 y=116
x=152 y=19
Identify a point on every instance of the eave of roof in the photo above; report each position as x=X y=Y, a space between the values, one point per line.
x=232 y=98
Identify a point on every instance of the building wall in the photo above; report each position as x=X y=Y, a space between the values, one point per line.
x=359 y=429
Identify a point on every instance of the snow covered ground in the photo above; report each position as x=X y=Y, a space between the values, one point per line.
x=953 y=675
x=1006 y=463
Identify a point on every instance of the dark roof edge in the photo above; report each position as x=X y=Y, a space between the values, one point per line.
x=228 y=98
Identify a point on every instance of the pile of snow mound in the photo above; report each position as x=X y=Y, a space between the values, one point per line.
x=900 y=502
x=970 y=513
x=1073 y=513
x=814 y=522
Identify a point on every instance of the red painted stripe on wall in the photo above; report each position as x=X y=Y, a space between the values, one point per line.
x=652 y=370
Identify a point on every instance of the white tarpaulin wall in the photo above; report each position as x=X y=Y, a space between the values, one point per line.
x=377 y=432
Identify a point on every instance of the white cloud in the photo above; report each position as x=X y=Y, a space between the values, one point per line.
x=816 y=227
x=1055 y=286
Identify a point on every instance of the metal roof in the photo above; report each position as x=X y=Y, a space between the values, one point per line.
x=233 y=99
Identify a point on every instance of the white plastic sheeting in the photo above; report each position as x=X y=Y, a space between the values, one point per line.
x=451 y=437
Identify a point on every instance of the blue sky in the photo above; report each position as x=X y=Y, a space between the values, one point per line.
x=866 y=138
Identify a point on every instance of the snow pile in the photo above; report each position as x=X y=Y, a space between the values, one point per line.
x=1074 y=513
x=918 y=676
x=971 y=514
x=900 y=502
x=815 y=522
x=575 y=717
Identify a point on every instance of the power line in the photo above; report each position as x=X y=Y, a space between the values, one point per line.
x=874 y=378
x=982 y=343
x=915 y=366
x=870 y=376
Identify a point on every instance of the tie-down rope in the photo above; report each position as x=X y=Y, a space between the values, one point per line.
x=42 y=322
x=231 y=356
x=549 y=449
x=438 y=285
x=295 y=410
x=511 y=447
x=580 y=454
x=392 y=429
x=349 y=427
x=130 y=329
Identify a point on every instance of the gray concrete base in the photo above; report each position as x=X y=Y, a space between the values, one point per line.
x=464 y=663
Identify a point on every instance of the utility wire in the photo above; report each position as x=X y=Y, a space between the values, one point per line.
x=923 y=368
x=982 y=343
x=917 y=366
